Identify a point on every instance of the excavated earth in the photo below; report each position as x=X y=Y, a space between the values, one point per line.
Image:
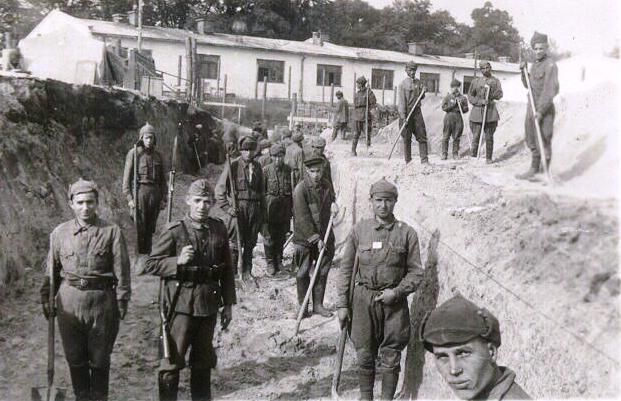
x=542 y=258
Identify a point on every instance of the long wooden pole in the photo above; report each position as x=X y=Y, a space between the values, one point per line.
x=224 y=95
x=542 y=150
x=483 y=124
x=406 y=122
x=264 y=98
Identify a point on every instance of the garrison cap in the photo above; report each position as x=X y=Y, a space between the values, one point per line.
x=313 y=160
x=411 y=65
x=82 y=186
x=200 y=187
x=318 y=142
x=286 y=133
x=147 y=129
x=484 y=63
x=455 y=83
x=458 y=321
x=538 y=38
x=383 y=187
x=339 y=93
x=361 y=79
x=264 y=144
x=297 y=136
x=247 y=143
x=277 y=150
x=256 y=125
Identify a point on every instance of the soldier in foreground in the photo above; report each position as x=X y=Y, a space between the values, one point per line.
x=364 y=101
x=151 y=181
x=192 y=256
x=248 y=181
x=341 y=116
x=476 y=96
x=464 y=340
x=544 y=83
x=409 y=90
x=279 y=208
x=313 y=202
x=453 y=121
x=389 y=270
x=89 y=259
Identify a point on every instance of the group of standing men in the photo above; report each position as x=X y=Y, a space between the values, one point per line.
x=88 y=285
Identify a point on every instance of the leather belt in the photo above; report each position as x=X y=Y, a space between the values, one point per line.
x=91 y=284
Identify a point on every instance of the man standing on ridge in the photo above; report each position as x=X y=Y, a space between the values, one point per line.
x=409 y=90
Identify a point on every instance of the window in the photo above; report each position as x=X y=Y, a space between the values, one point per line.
x=333 y=74
x=274 y=70
x=208 y=66
x=467 y=81
x=381 y=79
x=431 y=81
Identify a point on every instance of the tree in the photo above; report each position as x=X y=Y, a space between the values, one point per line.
x=9 y=15
x=494 y=33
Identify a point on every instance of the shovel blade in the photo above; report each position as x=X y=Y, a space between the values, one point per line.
x=48 y=394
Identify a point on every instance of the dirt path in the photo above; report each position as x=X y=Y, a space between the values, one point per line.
x=556 y=252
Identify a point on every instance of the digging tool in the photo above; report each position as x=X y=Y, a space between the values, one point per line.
x=288 y=241
x=366 y=120
x=531 y=99
x=135 y=189
x=198 y=159
x=484 y=118
x=313 y=277
x=171 y=179
x=464 y=122
x=236 y=222
x=405 y=123
x=336 y=378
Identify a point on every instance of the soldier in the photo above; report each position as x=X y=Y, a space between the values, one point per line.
x=476 y=96
x=294 y=156
x=453 y=122
x=318 y=145
x=249 y=185
x=264 y=152
x=464 y=340
x=230 y=139
x=544 y=83
x=341 y=116
x=409 y=90
x=192 y=256
x=286 y=137
x=313 y=201
x=279 y=208
x=389 y=270
x=151 y=186
x=364 y=101
x=198 y=143
x=89 y=259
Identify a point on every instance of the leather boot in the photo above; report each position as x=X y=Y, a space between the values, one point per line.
x=422 y=150
x=270 y=267
x=319 y=290
x=200 y=384
x=354 y=145
x=389 y=384
x=445 y=146
x=302 y=284
x=99 y=383
x=489 y=150
x=407 y=149
x=455 y=148
x=168 y=385
x=234 y=259
x=81 y=382
x=534 y=169
x=366 y=380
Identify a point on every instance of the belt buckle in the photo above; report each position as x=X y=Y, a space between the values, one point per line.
x=83 y=283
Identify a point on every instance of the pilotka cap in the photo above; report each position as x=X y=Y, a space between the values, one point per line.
x=147 y=129
x=277 y=150
x=361 y=79
x=458 y=321
x=313 y=161
x=264 y=144
x=383 y=187
x=538 y=38
x=318 y=142
x=82 y=186
x=200 y=187
x=247 y=143
x=455 y=83
x=297 y=136
x=411 y=65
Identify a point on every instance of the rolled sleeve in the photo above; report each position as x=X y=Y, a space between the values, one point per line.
x=121 y=266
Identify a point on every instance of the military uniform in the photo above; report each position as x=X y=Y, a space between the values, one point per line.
x=264 y=158
x=92 y=273
x=453 y=121
x=204 y=284
x=279 y=210
x=318 y=144
x=151 y=189
x=408 y=91
x=544 y=83
x=294 y=156
x=364 y=100
x=476 y=96
x=458 y=321
x=389 y=257
x=311 y=215
x=249 y=186
x=230 y=139
x=341 y=117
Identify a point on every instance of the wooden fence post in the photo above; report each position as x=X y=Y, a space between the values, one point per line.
x=224 y=96
x=289 y=85
x=188 y=69
x=264 y=97
x=354 y=95
x=394 y=96
x=332 y=94
x=383 y=88
x=179 y=65
x=323 y=85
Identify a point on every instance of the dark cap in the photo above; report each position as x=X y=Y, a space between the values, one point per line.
x=200 y=187
x=383 y=187
x=484 y=63
x=286 y=133
x=455 y=83
x=313 y=160
x=538 y=38
x=361 y=79
x=297 y=136
x=339 y=93
x=247 y=143
x=458 y=321
x=264 y=144
x=277 y=150
x=318 y=142
x=411 y=65
x=82 y=186
x=147 y=129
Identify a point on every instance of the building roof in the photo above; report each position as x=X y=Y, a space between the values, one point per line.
x=123 y=29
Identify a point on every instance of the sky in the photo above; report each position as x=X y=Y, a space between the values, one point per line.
x=582 y=27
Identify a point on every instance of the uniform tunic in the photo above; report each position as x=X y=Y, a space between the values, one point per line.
x=453 y=121
x=294 y=158
x=408 y=91
x=360 y=109
x=476 y=96
x=201 y=294
x=505 y=387
x=389 y=257
x=341 y=118
x=279 y=208
x=151 y=191
x=544 y=82
x=88 y=319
